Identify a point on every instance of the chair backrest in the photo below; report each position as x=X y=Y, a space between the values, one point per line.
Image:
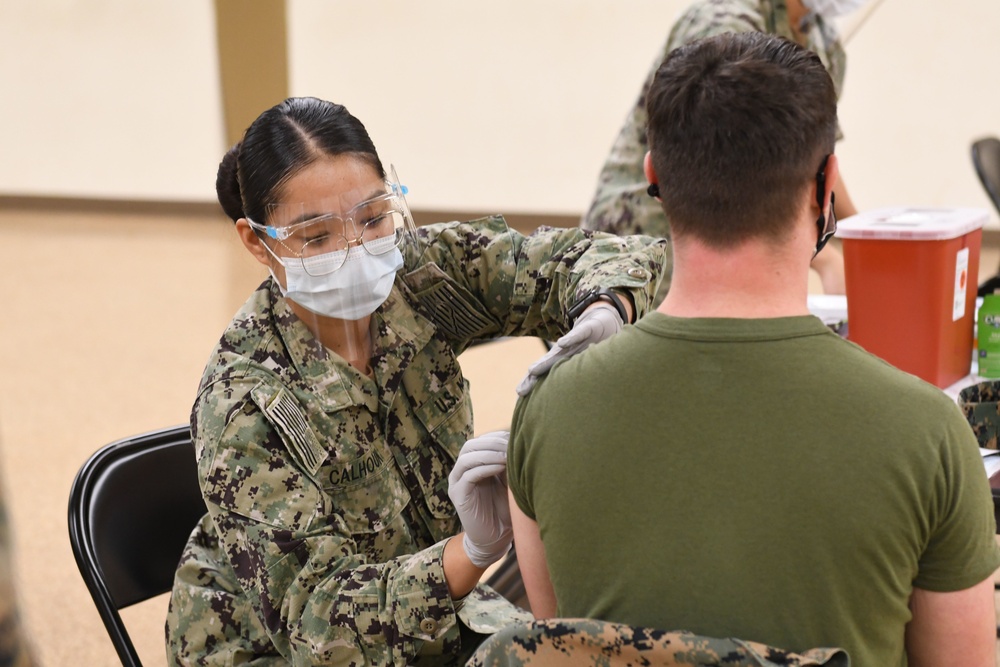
x=132 y=508
x=986 y=159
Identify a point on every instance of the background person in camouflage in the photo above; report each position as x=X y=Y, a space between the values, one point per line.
x=333 y=408
x=15 y=650
x=621 y=205
x=754 y=475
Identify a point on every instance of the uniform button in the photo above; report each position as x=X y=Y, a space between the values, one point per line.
x=637 y=273
x=428 y=625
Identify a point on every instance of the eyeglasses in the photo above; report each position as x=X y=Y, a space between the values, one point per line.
x=322 y=243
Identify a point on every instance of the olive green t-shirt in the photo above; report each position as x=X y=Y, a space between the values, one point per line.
x=760 y=479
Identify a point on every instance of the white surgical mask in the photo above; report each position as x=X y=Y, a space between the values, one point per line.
x=351 y=292
x=830 y=9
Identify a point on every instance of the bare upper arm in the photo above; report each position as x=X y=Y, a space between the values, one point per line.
x=531 y=562
x=953 y=629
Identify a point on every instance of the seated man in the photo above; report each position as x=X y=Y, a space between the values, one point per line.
x=729 y=466
x=620 y=204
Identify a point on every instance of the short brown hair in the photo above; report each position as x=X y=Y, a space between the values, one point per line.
x=738 y=125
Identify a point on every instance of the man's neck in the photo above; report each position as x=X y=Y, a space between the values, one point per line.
x=754 y=280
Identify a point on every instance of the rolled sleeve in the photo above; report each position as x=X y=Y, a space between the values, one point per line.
x=962 y=549
x=527 y=283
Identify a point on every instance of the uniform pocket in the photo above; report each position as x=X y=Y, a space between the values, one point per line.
x=447 y=417
x=369 y=495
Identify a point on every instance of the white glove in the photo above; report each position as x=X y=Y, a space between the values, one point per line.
x=598 y=322
x=477 y=486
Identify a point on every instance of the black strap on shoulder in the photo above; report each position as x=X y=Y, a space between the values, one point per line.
x=602 y=294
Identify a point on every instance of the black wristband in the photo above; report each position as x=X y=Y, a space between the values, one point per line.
x=602 y=294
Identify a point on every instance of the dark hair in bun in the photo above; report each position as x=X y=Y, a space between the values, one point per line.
x=283 y=140
x=227 y=184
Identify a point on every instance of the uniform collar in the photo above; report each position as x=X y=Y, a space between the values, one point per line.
x=821 y=37
x=398 y=334
x=318 y=369
x=819 y=34
x=776 y=14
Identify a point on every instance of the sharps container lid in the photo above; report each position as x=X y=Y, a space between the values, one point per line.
x=907 y=223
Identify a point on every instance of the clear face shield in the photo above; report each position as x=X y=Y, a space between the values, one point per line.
x=337 y=255
x=337 y=258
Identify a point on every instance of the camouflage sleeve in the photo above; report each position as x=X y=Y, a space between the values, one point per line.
x=526 y=283
x=320 y=598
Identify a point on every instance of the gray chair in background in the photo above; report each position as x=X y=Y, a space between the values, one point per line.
x=986 y=159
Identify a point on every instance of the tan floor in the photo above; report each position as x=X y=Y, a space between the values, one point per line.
x=107 y=322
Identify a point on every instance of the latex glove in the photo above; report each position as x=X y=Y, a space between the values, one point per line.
x=477 y=486
x=598 y=322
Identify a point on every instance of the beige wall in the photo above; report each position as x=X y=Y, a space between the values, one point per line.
x=109 y=98
x=921 y=85
x=482 y=106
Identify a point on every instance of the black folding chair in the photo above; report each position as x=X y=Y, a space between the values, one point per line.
x=132 y=508
x=986 y=160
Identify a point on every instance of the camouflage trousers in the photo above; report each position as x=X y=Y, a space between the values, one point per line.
x=575 y=642
x=980 y=403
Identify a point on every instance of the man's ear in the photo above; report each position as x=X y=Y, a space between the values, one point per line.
x=647 y=168
x=654 y=183
x=253 y=242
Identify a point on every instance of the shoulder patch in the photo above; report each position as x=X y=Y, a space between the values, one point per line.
x=450 y=306
x=285 y=414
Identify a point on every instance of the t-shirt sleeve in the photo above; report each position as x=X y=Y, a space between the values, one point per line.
x=517 y=455
x=962 y=548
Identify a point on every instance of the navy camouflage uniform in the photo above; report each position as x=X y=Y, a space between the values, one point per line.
x=327 y=489
x=621 y=204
